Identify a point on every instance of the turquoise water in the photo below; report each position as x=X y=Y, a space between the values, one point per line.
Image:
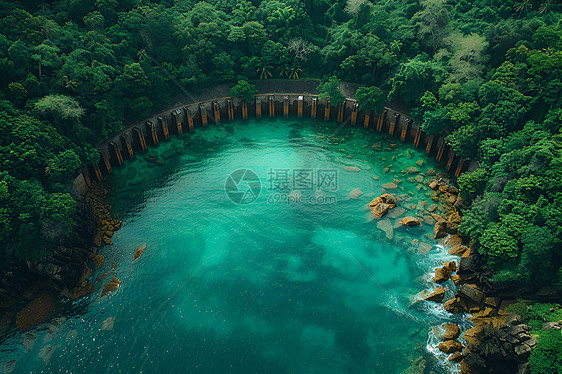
x=301 y=280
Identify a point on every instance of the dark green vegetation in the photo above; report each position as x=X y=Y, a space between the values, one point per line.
x=488 y=73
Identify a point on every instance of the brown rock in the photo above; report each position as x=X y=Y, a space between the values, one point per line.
x=410 y=221
x=452 y=331
x=415 y=242
x=432 y=208
x=456 y=279
x=380 y=209
x=458 y=250
x=440 y=229
x=35 y=313
x=450 y=265
x=443 y=188
x=471 y=293
x=390 y=199
x=437 y=295
x=351 y=168
x=139 y=251
x=441 y=275
x=453 y=240
x=397 y=181
x=411 y=170
x=456 y=357
x=111 y=286
x=433 y=185
x=450 y=346
x=471 y=335
x=98 y=261
x=452 y=305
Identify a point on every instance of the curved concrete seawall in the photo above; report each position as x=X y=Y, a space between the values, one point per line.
x=189 y=117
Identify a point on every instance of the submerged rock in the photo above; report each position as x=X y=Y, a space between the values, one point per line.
x=139 y=251
x=107 y=324
x=98 y=261
x=47 y=352
x=354 y=194
x=386 y=226
x=351 y=168
x=111 y=286
x=29 y=341
x=390 y=186
x=35 y=312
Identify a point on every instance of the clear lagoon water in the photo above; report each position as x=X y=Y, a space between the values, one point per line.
x=277 y=270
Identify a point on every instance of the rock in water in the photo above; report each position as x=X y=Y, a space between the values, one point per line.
x=351 y=168
x=450 y=346
x=424 y=248
x=29 y=341
x=386 y=226
x=390 y=186
x=98 y=261
x=53 y=330
x=410 y=221
x=107 y=324
x=35 y=312
x=47 y=352
x=139 y=251
x=452 y=331
x=111 y=286
x=355 y=193
x=437 y=295
x=411 y=170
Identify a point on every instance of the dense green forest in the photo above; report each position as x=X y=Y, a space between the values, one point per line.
x=487 y=73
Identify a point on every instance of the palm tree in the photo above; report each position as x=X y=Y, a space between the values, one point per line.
x=265 y=71
x=523 y=5
x=284 y=71
x=294 y=73
x=545 y=7
x=68 y=83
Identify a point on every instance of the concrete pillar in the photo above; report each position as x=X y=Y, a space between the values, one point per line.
x=152 y=134
x=163 y=123
x=327 y=110
x=203 y=112
x=285 y=106
x=140 y=136
x=429 y=144
x=367 y=120
x=405 y=129
x=177 y=119
x=126 y=143
x=450 y=159
x=104 y=159
x=114 y=149
x=97 y=172
x=271 y=107
x=230 y=109
x=418 y=136
x=86 y=175
x=244 y=109
x=440 y=148
x=394 y=124
x=354 y=114
x=216 y=113
x=258 y=108
x=189 y=116
x=460 y=168
x=299 y=106
x=341 y=109
x=313 y=107
x=382 y=118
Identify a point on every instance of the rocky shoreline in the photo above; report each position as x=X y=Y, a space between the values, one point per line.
x=498 y=342
x=29 y=290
